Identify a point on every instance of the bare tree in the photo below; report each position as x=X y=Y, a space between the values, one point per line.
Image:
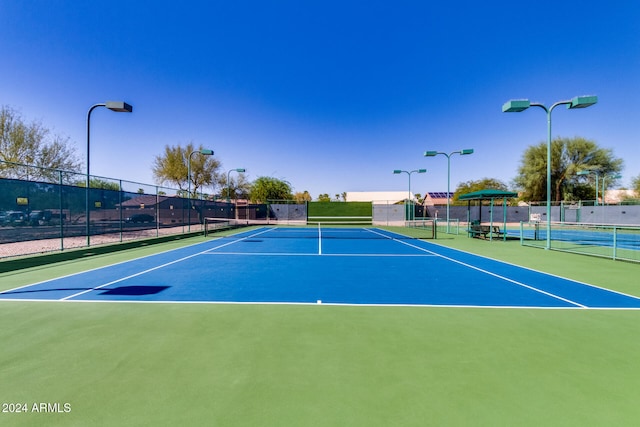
x=32 y=144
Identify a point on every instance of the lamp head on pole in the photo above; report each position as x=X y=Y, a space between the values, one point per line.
x=516 y=105
x=430 y=153
x=583 y=101
x=119 y=106
x=397 y=171
x=466 y=151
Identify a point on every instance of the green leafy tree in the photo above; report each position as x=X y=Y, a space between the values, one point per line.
x=634 y=197
x=635 y=185
x=33 y=144
x=267 y=188
x=173 y=166
x=568 y=157
x=472 y=186
x=324 y=197
x=98 y=183
x=239 y=189
x=302 y=197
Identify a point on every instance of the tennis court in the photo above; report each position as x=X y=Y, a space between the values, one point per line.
x=323 y=265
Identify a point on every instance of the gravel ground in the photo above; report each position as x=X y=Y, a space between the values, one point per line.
x=51 y=245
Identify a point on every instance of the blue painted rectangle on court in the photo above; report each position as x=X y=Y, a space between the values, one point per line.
x=299 y=265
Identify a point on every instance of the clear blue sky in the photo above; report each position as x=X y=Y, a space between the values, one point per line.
x=331 y=96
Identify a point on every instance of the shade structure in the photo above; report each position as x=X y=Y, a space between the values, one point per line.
x=489 y=194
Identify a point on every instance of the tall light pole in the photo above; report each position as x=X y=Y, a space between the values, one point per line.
x=118 y=107
x=239 y=170
x=435 y=153
x=516 y=106
x=204 y=152
x=398 y=171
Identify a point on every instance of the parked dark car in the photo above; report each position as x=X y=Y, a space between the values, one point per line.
x=140 y=218
x=40 y=217
x=13 y=218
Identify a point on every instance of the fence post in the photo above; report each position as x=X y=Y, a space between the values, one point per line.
x=60 y=211
x=120 y=202
x=157 y=213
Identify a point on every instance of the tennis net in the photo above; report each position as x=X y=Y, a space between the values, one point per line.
x=334 y=229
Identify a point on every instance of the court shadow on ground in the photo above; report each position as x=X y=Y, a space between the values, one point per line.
x=43 y=260
x=135 y=290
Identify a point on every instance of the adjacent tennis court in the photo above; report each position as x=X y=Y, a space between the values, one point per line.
x=323 y=265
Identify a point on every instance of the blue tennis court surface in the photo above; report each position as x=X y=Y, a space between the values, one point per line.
x=330 y=266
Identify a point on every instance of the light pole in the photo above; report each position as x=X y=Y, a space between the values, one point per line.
x=435 y=153
x=118 y=107
x=398 y=171
x=239 y=170
x=588 y=172
x=516 y=106
x=204 y=152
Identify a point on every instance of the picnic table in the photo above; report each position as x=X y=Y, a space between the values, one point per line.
x=480 y=230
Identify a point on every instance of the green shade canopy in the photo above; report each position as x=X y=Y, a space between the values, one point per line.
x=488 y=194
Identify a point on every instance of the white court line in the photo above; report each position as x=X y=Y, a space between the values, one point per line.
x=325 y=304
x=161 y=266
x=314 y=254
x=104 y=266
x=319 y=240
x=486 y=272
x=543 y=272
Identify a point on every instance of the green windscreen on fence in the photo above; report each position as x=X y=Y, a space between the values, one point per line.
x=43 y=210
x=357 y=212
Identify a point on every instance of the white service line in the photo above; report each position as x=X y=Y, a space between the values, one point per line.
x=486 y=272
x=302 y=254
x=160 y=266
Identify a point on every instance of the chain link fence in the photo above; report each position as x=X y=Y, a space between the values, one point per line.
x=43 y=210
